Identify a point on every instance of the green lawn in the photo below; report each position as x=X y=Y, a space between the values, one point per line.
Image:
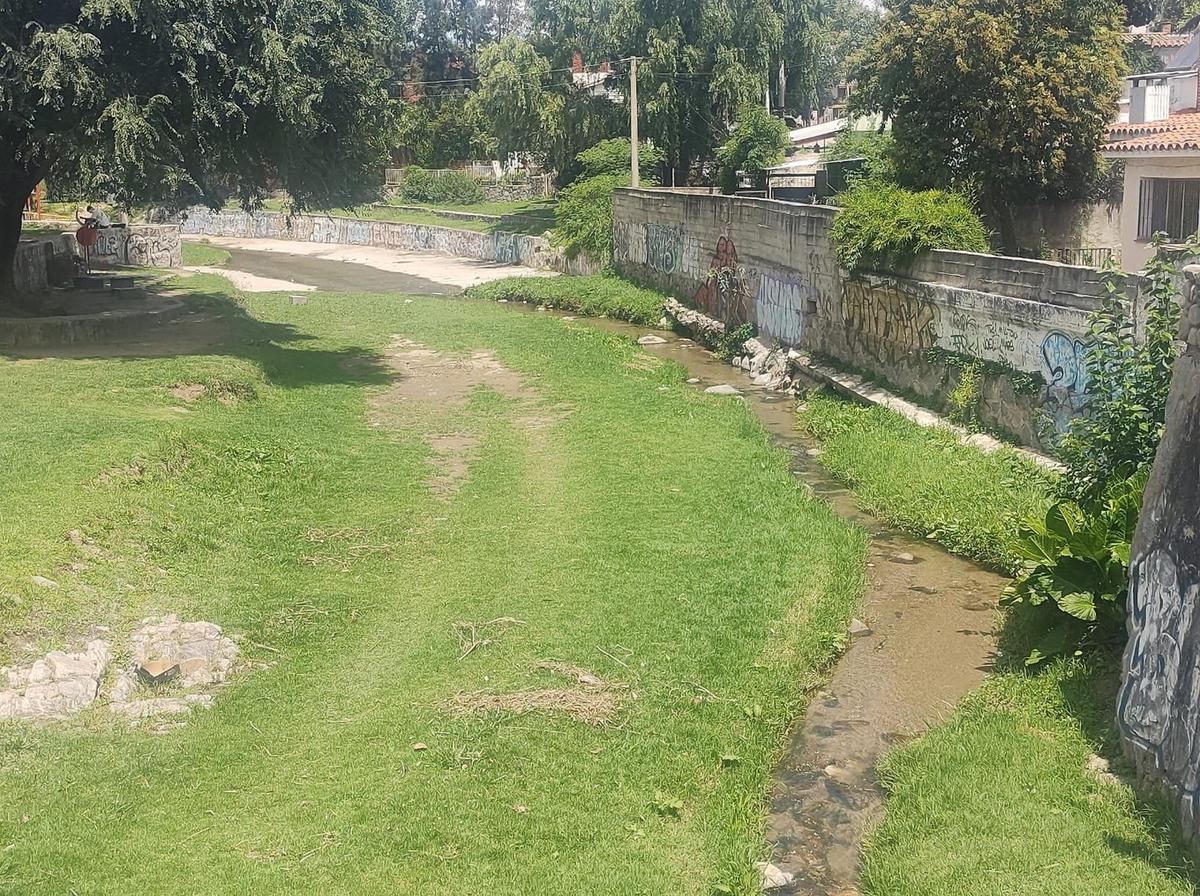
x=925 y=480
x=636 y=528
x=997 y=801
x=598 y=295
x=201 y=254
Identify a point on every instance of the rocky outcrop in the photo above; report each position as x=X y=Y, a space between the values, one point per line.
x=1159 y=706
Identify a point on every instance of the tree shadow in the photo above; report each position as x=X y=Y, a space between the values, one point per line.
x=1089 y=688
x=214 y=323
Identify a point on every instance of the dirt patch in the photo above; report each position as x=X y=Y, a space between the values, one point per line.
x=431 y=385
x=188 y=392
x=592 y=701
x=227 y=392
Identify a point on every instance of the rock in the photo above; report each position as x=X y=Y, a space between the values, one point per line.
x=772 y=877
x=420 y=747
x=723 y=389
x=125 y=685
x=163 y=706
x=298 y=300
x=502 y=301
x=859 y=629
x=200 y=649
x=43 y=582
x=693 y=380
x=814 y=452
x=762 y=379
x=651 y=339
x=664 y=323
x=904 y=557
x=570 y=318
x=56 y=685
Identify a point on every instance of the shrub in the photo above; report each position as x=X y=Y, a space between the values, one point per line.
x=449 y=187
x=874 y=147
x=1077 y=561
x=601 y=295
x=758 y=142
x=883 y=226
x=1127 y=385
x=614 y=157
x=584 y=216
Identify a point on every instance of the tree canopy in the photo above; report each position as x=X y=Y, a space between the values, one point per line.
x=158 y=100
x=758 y=142
x=1009 y=99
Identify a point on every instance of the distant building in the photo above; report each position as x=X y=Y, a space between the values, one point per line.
x=1159 y=146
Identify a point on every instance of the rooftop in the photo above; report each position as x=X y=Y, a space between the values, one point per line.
x=1178 y=132
x=1158 y=40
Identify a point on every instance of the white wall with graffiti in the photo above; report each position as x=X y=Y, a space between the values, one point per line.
x=500 y=247
x=772 y=265
x=140 y=245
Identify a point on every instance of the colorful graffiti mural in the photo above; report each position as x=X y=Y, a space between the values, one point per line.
x=725 y=294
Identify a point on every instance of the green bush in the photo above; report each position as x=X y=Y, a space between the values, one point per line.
x=584 y=216
x=448 y=187
x=758 y=142
x=1127 y=384
x=883 y=226
x=874 y=147
x=614 y=157
x=1077 y=561
x=600 y=295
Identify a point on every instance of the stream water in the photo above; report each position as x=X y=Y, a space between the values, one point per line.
x=928 y=636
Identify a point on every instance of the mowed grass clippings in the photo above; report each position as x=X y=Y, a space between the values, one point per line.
x=650 y=537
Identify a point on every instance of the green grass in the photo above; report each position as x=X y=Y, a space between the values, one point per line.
x=642 y=530
x=597 y=295
x=995 y=802
x=202 y=254
x=925 y=481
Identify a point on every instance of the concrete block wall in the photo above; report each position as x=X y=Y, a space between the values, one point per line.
x=771 y=264
x=498 y=246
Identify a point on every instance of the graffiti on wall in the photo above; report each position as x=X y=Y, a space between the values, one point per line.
x=157 y=249
x=779 y=307
x=664 y=248
x=1064 y=368
x=994 y=340
x=885 y=322
x=725 y=294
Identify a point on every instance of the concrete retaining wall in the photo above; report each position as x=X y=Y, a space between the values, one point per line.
x=499 y=247
x=139 y=245
x=771 y=264
x=1159 y=706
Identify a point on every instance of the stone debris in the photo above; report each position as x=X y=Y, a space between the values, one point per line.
x=185 y=654
x=200 y=649
x=55 y=686
x=651 y=339
x=904 y=557
x=693 y=380
x=43 y=582
x=723 y=389
x=859 y=629
x=772 y=876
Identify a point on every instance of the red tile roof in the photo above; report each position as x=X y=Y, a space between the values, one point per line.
x=1160 y=41
x=1180 y=131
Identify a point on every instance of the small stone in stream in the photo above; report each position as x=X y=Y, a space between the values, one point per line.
x=904 y=557
x=502 y=301
x=693 y=380
x=664 y=323
x=841 y=775
x=772 y=877
x=762 y=379
x=651 y=340
x=43 y=582
x=298 y=300
x=858 y=628
x=723 y=389
x=158 y=671
x=814 y=452
x=540 y=308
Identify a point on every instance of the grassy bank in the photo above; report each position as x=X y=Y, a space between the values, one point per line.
x=201 y=254
x=597 y=296
x=998 y=801
x=925 y=481
x=350 y=532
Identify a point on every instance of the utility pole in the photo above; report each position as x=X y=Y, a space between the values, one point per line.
x=635 y=173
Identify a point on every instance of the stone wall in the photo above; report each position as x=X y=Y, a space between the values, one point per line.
x=31 y=266
x=771 y=264
x=498 y=246
x=139 y=245
x=1158 y=710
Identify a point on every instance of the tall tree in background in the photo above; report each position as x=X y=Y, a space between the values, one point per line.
x=158 y=100
x=515 y=98
x=1006 y=98
x=844 y=29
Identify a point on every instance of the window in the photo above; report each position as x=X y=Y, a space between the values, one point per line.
x=1170 y=205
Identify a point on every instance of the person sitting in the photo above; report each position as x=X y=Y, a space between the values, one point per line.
x=95 y=218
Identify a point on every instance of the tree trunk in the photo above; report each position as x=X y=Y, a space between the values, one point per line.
x=15 y=187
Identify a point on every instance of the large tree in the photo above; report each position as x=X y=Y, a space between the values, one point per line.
x=1009 y=99
x=163 y=100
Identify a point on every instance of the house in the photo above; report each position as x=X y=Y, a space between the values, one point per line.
x=1159 y=147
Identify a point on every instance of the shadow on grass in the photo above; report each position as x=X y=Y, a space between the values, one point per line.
x=214 y=323
x=1089 y=688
